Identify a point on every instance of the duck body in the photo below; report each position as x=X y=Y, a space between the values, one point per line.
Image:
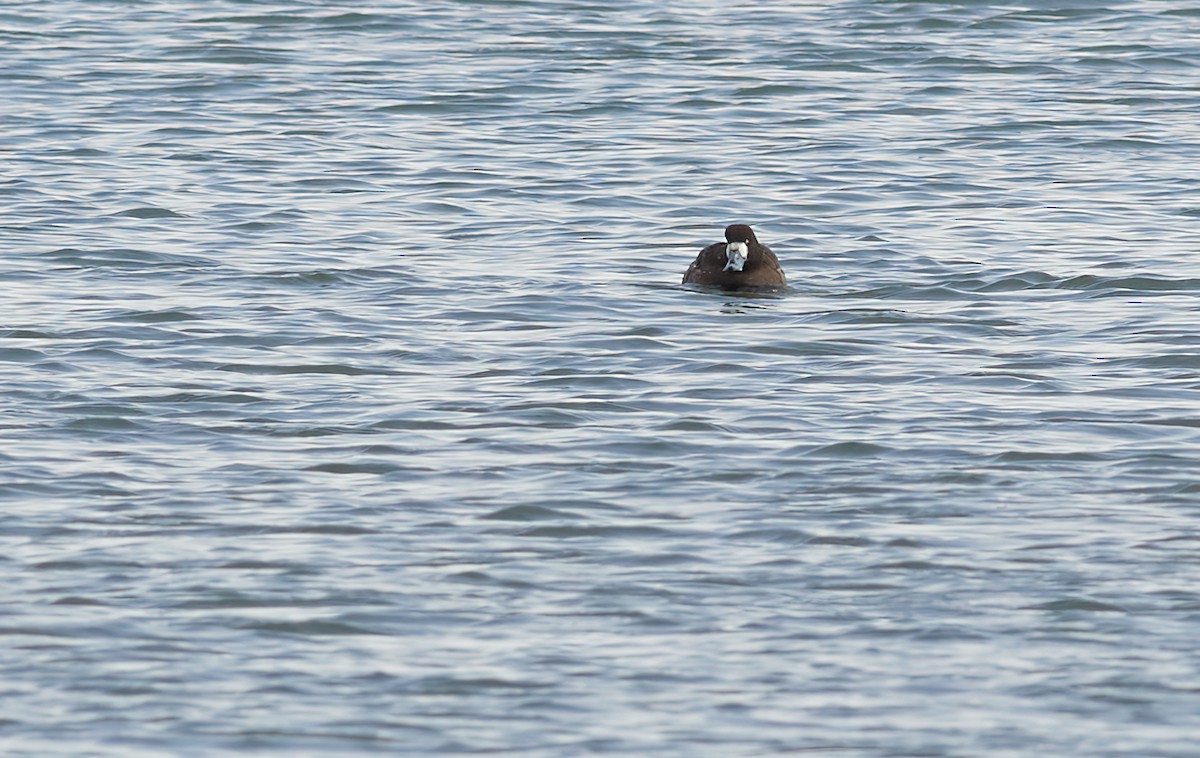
x=739 y=263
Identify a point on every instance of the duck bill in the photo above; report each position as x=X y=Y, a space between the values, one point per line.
x=735 y=256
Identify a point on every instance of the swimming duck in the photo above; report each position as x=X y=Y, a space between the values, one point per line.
x=741 y=262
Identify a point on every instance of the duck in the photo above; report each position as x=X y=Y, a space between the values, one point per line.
x=739 y=263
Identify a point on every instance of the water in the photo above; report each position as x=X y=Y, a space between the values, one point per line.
x=352 y=404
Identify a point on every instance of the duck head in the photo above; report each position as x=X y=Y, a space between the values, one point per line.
x=738 y=237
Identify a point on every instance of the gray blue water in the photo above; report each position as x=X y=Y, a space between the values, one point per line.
x=352 y=404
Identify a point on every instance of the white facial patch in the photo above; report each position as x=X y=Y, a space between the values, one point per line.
x=735 y=254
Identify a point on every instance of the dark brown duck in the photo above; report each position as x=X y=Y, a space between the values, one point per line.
x=741 y=262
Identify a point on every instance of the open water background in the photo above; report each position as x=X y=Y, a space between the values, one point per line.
x=351 y=404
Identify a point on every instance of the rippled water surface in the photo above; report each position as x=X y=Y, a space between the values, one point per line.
x=352 y=404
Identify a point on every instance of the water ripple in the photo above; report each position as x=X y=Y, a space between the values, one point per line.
x=345 y=355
